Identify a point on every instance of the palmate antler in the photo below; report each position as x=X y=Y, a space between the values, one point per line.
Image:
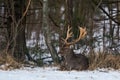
x=82 y=34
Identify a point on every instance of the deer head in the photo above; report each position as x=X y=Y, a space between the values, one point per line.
x=71 y=60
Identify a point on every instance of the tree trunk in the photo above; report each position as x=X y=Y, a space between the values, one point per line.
x=47 y=33
x=118 y=17
x=69 y=12
x=16 y=31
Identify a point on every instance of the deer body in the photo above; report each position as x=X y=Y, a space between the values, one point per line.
x=73 y=61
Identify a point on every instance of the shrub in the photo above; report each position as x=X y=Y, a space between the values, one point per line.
x=103 y=60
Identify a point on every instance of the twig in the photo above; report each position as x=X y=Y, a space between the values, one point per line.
x=106 y=12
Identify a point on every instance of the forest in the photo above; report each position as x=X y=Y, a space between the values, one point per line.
x=42 y=32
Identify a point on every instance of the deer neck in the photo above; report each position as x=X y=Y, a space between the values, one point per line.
x=68 y=53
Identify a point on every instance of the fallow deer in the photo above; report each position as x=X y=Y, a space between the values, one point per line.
x=71 y=60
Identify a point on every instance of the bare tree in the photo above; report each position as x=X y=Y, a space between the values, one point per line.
x=16 y=28
x=47 y=33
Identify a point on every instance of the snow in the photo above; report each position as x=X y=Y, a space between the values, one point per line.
x=52 y=73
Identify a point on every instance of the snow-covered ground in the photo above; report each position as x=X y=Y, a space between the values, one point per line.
x=51 y=73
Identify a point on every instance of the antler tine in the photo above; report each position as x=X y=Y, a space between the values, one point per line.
x=69 y=34
x=83 y=32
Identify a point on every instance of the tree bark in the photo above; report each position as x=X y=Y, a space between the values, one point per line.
x=17 y=41
x=47 y=33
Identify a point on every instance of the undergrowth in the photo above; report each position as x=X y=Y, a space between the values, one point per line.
x=96 y=60
x=103 y=60
x=7 y=62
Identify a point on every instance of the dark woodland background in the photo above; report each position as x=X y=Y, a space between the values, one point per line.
x=31 y=31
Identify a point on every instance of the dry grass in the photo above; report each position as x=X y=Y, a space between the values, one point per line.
x=7 y=62
x=103 y=60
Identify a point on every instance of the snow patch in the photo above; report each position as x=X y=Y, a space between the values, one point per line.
x=52 y=73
